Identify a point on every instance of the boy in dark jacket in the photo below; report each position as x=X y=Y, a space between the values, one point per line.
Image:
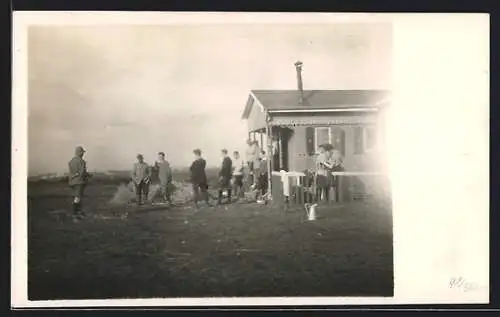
x=263 y=181
x=225 y=175
x=199 y=178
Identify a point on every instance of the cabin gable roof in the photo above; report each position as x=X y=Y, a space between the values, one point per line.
x=314 y=100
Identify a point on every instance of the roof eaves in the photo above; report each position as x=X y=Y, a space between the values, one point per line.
x=345 y=109
x=247 y=109
x=257 y=101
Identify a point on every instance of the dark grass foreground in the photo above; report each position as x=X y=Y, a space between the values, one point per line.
x=244 y=250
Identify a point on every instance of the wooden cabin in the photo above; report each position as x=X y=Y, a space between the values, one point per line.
x=350 y=120
x=298 y=121
x=353 y=121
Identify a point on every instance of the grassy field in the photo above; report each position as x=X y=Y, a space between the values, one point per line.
x=234 y=250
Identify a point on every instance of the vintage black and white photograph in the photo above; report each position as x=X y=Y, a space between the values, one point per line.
x=206 y=160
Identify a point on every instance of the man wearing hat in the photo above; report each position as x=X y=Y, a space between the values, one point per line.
x=77 y=179
x=141 y=175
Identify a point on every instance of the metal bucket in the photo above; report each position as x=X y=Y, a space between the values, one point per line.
x=311 y=211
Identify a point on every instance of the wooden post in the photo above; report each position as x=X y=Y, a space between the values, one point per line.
x=281 y=158
x=277 y=191
x=272 y=150
x=340 y=189
x=269 y=156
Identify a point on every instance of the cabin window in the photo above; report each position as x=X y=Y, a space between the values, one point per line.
x=322 y=135
x=369 y=139
x=365 y=139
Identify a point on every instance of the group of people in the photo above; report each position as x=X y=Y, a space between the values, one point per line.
x=141 y=177
x=236 y=175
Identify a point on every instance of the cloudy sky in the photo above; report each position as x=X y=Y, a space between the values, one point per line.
x=123 y=90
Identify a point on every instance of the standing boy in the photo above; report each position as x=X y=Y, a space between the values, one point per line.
x=199 y=178
x=77 y=179
x=225 y=174
x=165 y=177
x=263 y=181
x=252 y=157
x=322 y=180
x=141 y=175
x=238 y=168
x=335 y=164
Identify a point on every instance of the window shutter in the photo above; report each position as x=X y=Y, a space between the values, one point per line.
x=310 y=141
x=358 y=140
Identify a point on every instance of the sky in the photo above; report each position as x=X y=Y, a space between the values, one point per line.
x=120 y=90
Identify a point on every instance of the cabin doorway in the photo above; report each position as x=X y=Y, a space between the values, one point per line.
x=281 y=137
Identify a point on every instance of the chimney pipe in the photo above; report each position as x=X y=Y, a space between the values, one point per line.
x=298 y=67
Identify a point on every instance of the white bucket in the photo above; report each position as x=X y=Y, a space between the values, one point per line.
x=311 y=211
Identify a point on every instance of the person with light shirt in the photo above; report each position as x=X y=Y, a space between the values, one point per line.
x=253 y=160
x=238 y=169
x=249 y=158
x=322 y=174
